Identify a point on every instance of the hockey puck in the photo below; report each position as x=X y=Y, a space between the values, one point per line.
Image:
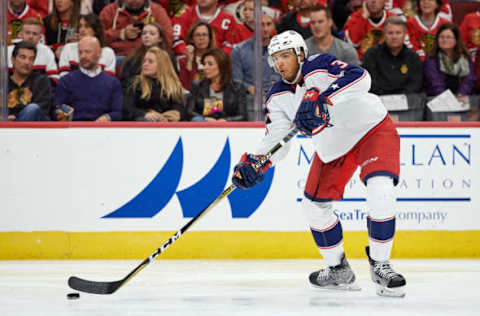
x=73 y=296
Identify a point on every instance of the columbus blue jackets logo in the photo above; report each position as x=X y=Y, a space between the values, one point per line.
x=157 y=194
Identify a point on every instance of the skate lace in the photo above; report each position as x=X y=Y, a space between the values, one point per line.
x=385 y=270
x=323 y=274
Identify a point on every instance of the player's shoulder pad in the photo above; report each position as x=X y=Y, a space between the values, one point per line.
x=316 y=62
x=279 y=87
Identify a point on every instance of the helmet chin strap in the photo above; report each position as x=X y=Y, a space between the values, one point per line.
x=299 y=72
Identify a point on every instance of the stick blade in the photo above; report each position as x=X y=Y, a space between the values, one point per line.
x=94 y=287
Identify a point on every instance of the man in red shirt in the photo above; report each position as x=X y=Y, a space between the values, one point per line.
x=123 y=20
x=18 y=10
x=206 y=10
x=364 y=28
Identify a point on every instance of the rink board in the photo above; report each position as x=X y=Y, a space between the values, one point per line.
x=119 y=190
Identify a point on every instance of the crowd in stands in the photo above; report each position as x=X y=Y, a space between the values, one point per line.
x=193 y=60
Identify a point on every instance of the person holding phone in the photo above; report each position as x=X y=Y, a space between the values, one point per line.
x=123 y=21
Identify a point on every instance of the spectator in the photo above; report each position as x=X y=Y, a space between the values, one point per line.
x=123 y=21
x=152 y=36
x=245 y=29
x=449 y=65
x=323 y=41
x=395 y=69
x=18 y=11
x=470 y=31
x=29 y=93
x=45 y=59
x=243 y=60
x=207 y=11
x=200 y=38
x=217 y=97
x=89 y=25
x=299 y=19
x=62 y=24
x=92 y=94
x=423 y=27
x=364 y=28
x=156 y=95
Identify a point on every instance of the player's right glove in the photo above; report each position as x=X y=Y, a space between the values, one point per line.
x=245 y=175
x=312 y=114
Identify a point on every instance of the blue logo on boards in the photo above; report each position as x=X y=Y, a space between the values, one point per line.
x=158 y=193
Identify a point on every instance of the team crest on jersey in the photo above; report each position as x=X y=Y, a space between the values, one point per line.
x=404 y=69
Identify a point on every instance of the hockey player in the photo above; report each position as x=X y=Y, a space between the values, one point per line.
x=328 y=100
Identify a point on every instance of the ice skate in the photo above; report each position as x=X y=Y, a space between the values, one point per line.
x=388 y=282
x=340 y=277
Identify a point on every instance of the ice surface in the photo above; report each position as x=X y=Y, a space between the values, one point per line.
x=235 y=287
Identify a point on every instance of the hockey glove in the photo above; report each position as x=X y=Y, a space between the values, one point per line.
x=245 y=175
x=312 y=115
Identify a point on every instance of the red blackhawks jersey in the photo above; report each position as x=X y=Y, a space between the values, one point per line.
x=364 y=33
x=222 y=23
x=422 y=37
x=15 y=21
x=470 y=31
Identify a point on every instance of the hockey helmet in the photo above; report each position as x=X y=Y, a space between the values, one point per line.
x=287 y=40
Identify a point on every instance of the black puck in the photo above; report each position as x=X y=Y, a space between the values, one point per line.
x=73 y=296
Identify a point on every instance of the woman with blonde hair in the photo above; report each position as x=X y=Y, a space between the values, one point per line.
x=156 y=94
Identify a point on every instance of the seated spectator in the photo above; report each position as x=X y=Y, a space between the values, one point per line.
x=244 y=64
x=123 y=21
x=29 y=93
x=423 y=27
x=200 y=38
x=156 y=95
x=364 y=28
x=449 y=65
x=245 y=29
x=470 y=31
x=207 y=11
x=299 y=19
x=62 y=24
x=394 y=68
x=45 y=59
x=217 y=97
x=89 y=25
x=323 y=41
x=18 y=11
x=152 y=36
x=92 y=94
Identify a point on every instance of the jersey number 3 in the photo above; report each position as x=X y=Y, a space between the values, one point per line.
x=340 y=64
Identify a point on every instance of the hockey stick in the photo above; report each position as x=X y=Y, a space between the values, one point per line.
x=98 y=287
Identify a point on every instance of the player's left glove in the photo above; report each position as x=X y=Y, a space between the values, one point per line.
x=245 y=175
x=312 y=115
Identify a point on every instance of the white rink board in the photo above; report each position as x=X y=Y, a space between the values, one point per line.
x=68 y=179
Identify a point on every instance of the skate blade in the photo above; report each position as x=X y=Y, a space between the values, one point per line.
x=340 y=287
x=391 y=292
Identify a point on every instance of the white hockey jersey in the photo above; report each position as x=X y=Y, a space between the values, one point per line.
x=69 y=59
x=353 y=110
x=44 y=62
